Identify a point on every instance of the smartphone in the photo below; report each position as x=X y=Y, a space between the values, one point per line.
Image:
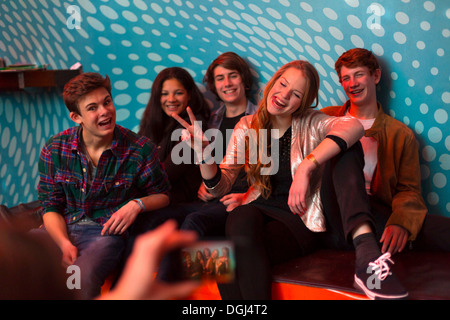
x=209 y=260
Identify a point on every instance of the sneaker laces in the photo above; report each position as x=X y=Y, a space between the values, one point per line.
x=381 y=267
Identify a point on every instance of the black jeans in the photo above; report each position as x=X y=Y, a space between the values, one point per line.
x=346 y=204
x=208 y=220
x=262 y=242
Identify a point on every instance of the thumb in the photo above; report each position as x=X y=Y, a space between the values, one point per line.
x=383 y=236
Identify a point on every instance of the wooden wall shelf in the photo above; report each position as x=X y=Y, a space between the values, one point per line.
x=12 y=80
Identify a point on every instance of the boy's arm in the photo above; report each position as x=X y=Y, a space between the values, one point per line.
x=55 y=225
x=50 y=194
x=408 y=207
x=155 y=201
x=122 y=219
x=52 y=199
x=152 y=180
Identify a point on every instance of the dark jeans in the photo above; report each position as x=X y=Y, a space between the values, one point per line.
x=150 y=220
x=208 y=220
x=98 y=256
x=345 y=202
x=262 y=242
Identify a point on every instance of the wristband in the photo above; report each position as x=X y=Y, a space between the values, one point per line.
x=339 y=141
x=311 y=158
x=140 y=204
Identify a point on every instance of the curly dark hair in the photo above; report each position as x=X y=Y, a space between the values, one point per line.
x=81 y=85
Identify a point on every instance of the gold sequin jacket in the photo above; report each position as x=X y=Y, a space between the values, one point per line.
x=308 y=130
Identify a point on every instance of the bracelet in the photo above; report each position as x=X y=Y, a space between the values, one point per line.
x=140 y=204
x=311 y=158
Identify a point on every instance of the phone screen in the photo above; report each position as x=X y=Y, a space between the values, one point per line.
x=209 y=260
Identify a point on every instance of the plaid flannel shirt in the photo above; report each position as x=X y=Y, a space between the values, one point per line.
x=129 y=169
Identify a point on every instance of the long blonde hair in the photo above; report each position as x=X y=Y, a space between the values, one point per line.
x=261 y=119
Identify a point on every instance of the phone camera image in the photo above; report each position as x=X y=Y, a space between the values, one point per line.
x=209 y=260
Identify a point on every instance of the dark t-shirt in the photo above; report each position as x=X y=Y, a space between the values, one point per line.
x=282 y=180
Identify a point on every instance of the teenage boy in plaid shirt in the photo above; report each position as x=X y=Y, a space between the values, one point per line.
x=95 y=179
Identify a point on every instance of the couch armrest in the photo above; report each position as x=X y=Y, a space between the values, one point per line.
x=24 y=216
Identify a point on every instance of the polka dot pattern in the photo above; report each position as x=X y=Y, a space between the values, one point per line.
x=132 y=40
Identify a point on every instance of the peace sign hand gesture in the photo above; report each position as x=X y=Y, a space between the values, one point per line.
x=192 y=133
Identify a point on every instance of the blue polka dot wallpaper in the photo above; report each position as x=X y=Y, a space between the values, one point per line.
x=132 y=40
